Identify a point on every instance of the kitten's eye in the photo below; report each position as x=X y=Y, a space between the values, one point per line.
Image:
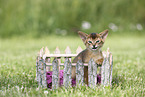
x=97 y=41
x=89 y=41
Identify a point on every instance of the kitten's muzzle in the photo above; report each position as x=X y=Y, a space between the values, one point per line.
x=94 y=47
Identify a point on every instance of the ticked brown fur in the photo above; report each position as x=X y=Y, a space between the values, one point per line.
x=93 y=43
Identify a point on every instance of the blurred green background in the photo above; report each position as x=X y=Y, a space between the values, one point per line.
x=28 y=25
x=65 y=17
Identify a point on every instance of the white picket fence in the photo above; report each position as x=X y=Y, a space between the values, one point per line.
x=43 y=64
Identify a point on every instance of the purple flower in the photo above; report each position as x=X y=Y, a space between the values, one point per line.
x=49 y=79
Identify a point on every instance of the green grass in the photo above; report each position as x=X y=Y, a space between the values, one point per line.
x=18 y=70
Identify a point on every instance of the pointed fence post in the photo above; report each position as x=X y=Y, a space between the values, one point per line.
x=106 y=73
x=67 y=73
x=44 y=81
x=47 y=60
x=92 y=73
x=37 y=66
x=111 y=67
x=67 y=69
x=103 y=77
x=80 y=73
x=79 y=49
x=55 y=73
x=41 y=52
x=41 y=73
x=57 y=51
x=68 y=51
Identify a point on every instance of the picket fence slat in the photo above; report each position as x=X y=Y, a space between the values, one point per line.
x=106 y=69
x=92 y=73
x=67 y=69
x=47 y=60
x=111 y=67
x=67 y=73
x=79 y=49
x=37 y=73
x=55 y=74
x=44 y=83
x=43 y=63
x=79 y=73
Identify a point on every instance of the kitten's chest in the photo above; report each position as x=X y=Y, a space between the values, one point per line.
x=95 y=56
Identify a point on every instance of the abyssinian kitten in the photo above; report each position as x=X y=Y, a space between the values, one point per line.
x=93 y=43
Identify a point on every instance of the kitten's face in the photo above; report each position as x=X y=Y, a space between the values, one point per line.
x=94 y=41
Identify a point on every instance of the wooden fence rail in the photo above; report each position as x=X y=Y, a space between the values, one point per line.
x=43 y=63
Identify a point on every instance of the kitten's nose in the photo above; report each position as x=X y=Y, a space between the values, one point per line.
x=94 y=46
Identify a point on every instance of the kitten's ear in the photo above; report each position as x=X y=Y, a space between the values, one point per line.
x=104 y=34
x=83 y=35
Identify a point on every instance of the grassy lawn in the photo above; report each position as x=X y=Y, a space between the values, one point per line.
x=18 y=70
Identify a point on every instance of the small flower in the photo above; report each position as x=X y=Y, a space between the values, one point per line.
x=45 y=92
x=139 y=27
x=17 y=88
x=113 y=27
x=22 y=88
x=37 y=89
x=61 y=32
x=86 y=25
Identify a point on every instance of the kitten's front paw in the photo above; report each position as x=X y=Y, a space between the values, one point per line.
x=100 y=61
